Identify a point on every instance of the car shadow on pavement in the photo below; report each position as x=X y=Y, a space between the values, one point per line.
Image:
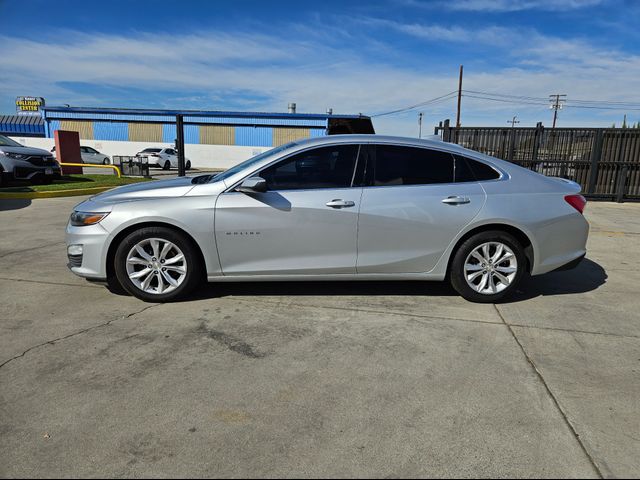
x=317 y=288
x=587 y=276
x=14 y=203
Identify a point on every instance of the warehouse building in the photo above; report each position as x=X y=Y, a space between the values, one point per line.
x=249 y=129
x=213 y=139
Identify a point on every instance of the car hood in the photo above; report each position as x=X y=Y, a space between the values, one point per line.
x=26 y=151
x=175 y=187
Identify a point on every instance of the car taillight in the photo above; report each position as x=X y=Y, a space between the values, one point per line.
x=576 y=201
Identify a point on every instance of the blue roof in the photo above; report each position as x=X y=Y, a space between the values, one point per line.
x=23 y=125
x=195 y=113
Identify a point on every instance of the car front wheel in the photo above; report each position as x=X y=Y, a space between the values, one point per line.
x=487 y=267
x=158 y=264
x=167 y=165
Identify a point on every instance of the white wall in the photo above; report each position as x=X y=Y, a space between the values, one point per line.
x=202 y=156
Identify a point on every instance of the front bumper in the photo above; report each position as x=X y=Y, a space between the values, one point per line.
x=94 y=241
x=27 y=171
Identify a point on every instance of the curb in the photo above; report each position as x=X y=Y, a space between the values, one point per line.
x=54 y=193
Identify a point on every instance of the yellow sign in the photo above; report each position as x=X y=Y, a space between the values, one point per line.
x=29 y=104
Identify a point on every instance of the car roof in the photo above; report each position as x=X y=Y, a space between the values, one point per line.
x=432 y=142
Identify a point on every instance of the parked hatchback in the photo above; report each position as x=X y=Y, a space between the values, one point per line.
x=18 y=162
x=349 y=207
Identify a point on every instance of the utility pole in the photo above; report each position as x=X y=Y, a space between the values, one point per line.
x=556 y=104
x=459 y=97
x=420 y=125
x=513 y=121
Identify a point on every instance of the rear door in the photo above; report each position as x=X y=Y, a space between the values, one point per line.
x=306 y=223
x=411 y=209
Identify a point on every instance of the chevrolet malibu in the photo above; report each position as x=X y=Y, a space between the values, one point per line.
x=344 y=207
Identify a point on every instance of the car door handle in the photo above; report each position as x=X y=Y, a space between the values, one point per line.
x=456 y=200
x=339 y=203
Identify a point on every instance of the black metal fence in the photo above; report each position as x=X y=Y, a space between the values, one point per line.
x=604 y=161
x=132 y=166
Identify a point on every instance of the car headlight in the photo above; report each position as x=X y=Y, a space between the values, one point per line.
x=81 y=219
x=17 y=156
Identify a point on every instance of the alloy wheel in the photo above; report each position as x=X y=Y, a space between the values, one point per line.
x=490 y=268
x=156 y=266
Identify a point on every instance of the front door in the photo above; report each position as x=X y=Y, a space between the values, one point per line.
x=306 y=222
x=412 y=207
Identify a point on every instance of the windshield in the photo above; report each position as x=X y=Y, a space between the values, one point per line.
x=252 y=161
x=7 y=142
x=152 y=150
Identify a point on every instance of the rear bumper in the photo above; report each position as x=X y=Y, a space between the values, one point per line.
x=571 y=265
x=560 y=243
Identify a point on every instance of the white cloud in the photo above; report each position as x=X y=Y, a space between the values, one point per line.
x=267 y=71
x=507 y=5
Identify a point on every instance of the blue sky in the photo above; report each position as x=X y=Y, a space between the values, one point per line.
x=369 y=57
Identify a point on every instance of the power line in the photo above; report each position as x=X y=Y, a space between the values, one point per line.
x=580 y=103
x=566 y=105
x=514 y=101
x=505 y=95
x=620 y=108
x=441 y=98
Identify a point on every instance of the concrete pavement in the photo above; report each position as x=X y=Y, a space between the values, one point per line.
x=318 y=379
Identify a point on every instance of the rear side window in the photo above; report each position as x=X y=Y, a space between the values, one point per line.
x=468 y=170
x=399 y=165
x=324 y=167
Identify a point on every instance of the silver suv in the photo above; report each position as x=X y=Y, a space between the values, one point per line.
x=18 y=162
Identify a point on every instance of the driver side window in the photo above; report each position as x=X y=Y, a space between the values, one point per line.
x=324 y=167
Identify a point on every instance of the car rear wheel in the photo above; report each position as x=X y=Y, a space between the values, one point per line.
x=167 y=165
x=188 y=165
x=158 y=264
x=106 y=161
x=487 y=267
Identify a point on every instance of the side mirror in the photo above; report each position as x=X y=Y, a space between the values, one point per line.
x=253 y=185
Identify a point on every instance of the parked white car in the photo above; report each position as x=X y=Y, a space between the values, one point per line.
x=90 y=155
x=165 y=158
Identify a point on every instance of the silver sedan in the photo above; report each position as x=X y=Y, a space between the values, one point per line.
x=347 y=207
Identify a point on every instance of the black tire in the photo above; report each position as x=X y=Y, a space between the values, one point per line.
x=167 y=165
x=106 y=161
x=188 y=165
x=195 y=271
x=457 y=269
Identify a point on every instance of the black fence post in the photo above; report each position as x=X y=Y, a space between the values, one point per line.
x=180 y=145
x=537 y=140
x=512 y=144
x=622 y=183
x=596 y=155
x=446 y=132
